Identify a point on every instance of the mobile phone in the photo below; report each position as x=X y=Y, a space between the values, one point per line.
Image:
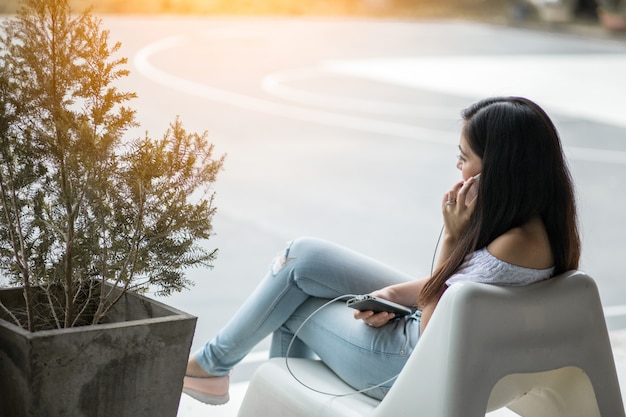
x=377 y=305
x=473 y=191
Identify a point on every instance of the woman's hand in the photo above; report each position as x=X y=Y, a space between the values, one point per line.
x=377 y=319
x=457 y=208
x=374 y=319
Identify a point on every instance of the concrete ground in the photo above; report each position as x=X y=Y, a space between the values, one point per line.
x=301 y=144
x=192 y=408
x=253 y=226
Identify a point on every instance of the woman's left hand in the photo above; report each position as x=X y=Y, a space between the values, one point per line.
x=457 y=208
x=377 y=319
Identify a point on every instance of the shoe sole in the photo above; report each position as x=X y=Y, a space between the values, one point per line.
x=206 y=399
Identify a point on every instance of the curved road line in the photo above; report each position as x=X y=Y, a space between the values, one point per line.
x=275 y=84
x=143 y=65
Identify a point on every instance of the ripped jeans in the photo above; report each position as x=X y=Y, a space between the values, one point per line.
x=309 y=273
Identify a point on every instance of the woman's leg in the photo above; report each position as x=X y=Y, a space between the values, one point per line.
x=308 y=268
x=362 y=356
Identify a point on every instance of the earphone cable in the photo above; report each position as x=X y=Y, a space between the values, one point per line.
x=432 y=265
x=295 y=334
x=341 y=297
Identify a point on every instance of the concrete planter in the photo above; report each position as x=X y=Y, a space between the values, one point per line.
x=132 y=366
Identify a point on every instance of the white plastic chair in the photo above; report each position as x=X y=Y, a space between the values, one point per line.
x=542 y=350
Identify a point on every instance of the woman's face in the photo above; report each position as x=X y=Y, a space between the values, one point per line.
x=469 y=163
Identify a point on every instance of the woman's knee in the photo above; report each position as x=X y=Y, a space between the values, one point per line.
x=299 y=248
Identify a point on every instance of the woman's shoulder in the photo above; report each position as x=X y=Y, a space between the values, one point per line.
x=527 y=246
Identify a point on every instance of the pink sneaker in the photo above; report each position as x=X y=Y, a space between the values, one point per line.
x=213 y=390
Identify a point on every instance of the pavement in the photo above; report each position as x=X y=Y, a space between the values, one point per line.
x=618 y=342
x=192 y=408
x=241 y=375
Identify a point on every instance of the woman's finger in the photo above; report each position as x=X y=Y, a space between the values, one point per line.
x=464 y=192
x=451 y=197
x=362 y=315
x=379 y=319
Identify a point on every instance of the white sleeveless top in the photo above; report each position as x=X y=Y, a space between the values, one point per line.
x=481 y=266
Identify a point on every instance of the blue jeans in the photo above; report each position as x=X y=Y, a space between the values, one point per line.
x=308 y=274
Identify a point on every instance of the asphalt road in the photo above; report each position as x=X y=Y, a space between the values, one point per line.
x=347 y=130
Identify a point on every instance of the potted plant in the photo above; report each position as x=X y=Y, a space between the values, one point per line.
x=89 y=221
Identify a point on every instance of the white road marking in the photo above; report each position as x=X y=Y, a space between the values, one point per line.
x=569 y=84
x=276 y=84
x=615 y=311
x=143 y=65
x=598 y=98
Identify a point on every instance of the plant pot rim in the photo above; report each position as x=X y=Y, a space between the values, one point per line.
x=174 y=315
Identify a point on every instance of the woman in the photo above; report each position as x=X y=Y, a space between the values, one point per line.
x=510 y=221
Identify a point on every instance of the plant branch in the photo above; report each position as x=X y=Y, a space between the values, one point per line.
x=10 y=314
x=21 y=261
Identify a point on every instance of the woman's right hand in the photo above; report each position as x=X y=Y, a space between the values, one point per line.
x=457 y=208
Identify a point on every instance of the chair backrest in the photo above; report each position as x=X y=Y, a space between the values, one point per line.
x=541 y=350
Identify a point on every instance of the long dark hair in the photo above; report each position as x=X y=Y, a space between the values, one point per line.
x=524 y=174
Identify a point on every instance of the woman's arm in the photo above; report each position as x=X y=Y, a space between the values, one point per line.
x=457 y=209
x=456 y=217
x=427 y=313
x=405 y=293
